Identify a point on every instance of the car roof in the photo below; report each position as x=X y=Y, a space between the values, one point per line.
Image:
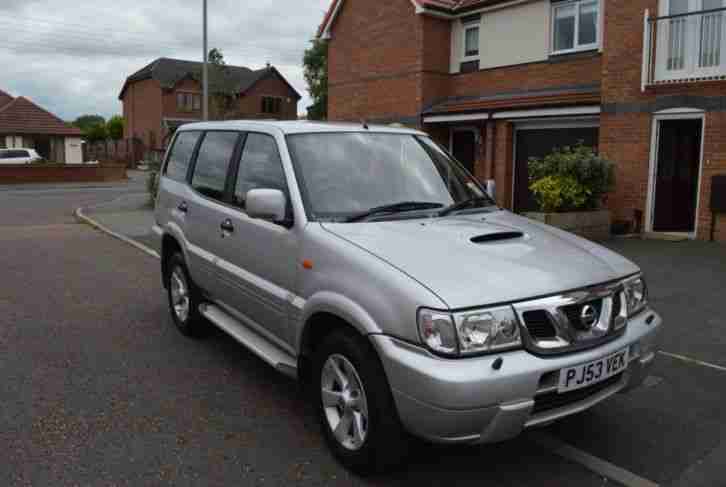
x=298 y=127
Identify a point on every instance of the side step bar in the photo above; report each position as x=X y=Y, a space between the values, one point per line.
x=258 y=344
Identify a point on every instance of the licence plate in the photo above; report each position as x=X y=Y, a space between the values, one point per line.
x=583 y=375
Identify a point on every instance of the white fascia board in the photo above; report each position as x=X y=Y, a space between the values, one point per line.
x=455 y=118
x=326 y=30
x=548 y=112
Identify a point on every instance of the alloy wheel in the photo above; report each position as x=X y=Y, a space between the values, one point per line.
x=179 y=294
x=344 y=402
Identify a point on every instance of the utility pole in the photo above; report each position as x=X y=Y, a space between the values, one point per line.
x=205 y=74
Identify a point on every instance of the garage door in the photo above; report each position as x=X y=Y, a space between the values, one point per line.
x=539 y=143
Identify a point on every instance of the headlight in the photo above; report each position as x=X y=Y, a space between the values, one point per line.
x=469 y=332
x=636 y=295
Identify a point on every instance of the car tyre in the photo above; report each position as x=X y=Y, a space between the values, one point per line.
x=184 y=299
x=354 y=404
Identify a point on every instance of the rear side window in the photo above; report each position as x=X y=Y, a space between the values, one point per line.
x=210 y=170
x=181 y=155
x=10 y=154
x=260 y=167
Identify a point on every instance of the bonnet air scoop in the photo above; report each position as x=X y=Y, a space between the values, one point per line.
x=496 y=237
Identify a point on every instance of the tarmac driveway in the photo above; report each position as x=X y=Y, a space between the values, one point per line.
x=98 y=388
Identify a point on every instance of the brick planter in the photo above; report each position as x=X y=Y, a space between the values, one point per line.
x=60 y=173
x=594 y=225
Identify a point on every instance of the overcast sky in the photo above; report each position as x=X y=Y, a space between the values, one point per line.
x=72 y=57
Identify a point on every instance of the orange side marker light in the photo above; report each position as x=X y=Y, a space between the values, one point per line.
x=307 y=264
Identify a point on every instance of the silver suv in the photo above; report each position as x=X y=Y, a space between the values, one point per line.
x=367 y=263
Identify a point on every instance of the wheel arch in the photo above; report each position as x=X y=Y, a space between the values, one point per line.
x=323 y=313
x=171 y=242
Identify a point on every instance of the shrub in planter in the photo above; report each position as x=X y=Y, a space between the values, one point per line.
x=570 y=179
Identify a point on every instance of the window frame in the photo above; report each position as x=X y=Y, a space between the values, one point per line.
x=576 y=46
x=192 y=159
x=466 y=26
x=189 y=101
x=275 y=104
x=234 y=173
x=299 y=179
x=236 y=153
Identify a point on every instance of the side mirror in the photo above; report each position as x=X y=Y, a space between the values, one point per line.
x=266 y=204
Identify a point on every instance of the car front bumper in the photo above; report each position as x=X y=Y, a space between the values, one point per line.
x=468 y=401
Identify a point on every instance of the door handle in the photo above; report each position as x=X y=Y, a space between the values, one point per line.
x=183 y=207
x=227 y=226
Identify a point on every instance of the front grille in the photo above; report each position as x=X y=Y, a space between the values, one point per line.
x=556 y=400
x=538 y=324
x=555 y=324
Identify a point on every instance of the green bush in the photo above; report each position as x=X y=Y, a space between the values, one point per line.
x=570 y=179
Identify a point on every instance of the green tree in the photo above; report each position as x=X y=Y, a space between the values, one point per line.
x=85 y=122
x=315 y=63
x=96 y=133
x=115 y=127
x=221 y=90
x=215 y=57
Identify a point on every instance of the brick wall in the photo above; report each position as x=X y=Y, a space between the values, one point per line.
x=250 y=104
x=503 y=167
x=60 y=173
x=571 y=70
x=142 y=110
x=169 y=100
x=374 y=61
x=627 y=121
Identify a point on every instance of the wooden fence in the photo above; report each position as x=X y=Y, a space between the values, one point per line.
x=126 y=151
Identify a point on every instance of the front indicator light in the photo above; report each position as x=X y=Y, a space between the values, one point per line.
x=437 y=331
x=636 y=295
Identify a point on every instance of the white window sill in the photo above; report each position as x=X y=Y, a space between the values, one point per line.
x=469 y=59
x=692 y=77
x=589 y=47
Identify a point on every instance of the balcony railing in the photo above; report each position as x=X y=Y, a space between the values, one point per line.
x=685 y=47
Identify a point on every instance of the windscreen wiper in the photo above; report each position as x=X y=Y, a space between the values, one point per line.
x=394 y=208
x=469 y=203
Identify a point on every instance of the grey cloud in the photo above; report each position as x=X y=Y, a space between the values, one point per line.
x=72 y=57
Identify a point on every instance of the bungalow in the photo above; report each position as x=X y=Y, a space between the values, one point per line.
x=25 y=124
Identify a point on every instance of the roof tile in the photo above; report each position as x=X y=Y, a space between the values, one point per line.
x=22 y=116
x=4 y=98
x=168 y=72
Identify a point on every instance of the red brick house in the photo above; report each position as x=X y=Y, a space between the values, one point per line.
x=26 y=124
x=167 y=93
x=499 y=81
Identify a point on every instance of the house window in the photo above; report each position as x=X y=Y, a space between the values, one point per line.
x=187 y=102
x=271 y=104
x=471 y=41
x=575 y=26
